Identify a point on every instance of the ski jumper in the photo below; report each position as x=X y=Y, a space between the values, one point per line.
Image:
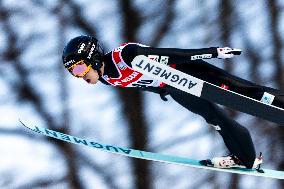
x=118 y=72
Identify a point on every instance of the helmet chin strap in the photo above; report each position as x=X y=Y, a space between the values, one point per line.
x=99 y=70
x=99 y=73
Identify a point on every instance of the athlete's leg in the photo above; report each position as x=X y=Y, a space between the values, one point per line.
x=236 y=137
x=217 y=76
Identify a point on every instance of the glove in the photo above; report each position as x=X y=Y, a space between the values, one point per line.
x=227 y=52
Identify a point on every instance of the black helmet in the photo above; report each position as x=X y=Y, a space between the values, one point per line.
x=84 y=48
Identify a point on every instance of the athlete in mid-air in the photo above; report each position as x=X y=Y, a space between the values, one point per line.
x=84 y=58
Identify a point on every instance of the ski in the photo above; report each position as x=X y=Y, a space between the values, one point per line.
x=149 y=155
x=208 y=91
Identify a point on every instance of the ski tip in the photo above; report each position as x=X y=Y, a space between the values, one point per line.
x=28 y=127
x=19 y=119
x=21 y=122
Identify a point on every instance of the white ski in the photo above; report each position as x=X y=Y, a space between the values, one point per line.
x=149 y=155
x=206 y=90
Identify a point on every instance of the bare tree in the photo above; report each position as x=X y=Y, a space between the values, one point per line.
x=133 y=104
x=226 y=18
x=274 y=11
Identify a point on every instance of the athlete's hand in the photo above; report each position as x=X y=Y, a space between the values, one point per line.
x=227 y=52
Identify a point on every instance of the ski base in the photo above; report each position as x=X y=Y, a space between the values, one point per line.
x=206 y=90
x=149 y=155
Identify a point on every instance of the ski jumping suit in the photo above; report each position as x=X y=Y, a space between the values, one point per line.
x=118 y=72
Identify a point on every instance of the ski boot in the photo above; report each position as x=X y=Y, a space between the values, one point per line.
x=231 y=161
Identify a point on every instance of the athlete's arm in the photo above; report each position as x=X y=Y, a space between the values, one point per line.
x=177 y=56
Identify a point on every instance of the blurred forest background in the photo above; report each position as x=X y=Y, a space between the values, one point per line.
x=35 y=87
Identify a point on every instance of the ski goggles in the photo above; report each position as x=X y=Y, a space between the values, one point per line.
x=79 y=69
